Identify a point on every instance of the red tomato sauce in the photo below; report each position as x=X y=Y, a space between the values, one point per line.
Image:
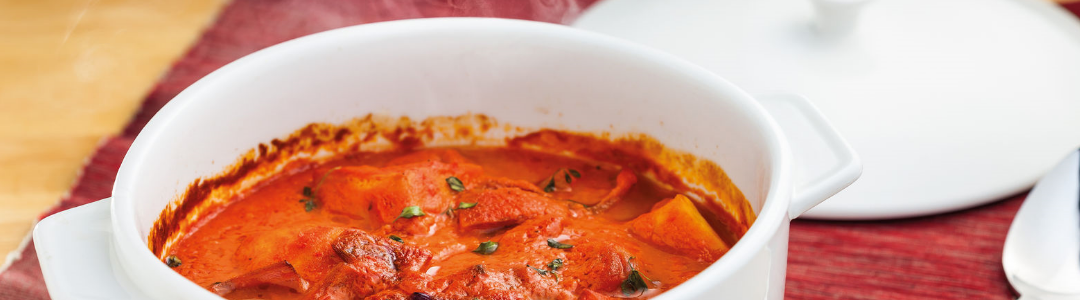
x=559 y=227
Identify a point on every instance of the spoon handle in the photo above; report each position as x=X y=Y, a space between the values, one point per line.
x=1041 y=255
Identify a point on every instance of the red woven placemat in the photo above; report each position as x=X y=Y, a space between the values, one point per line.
x=951 y=256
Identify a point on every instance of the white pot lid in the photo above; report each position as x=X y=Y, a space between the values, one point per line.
x=950 y=103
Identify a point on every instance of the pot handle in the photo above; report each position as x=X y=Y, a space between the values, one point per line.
x=73 y=250
x=824 y=162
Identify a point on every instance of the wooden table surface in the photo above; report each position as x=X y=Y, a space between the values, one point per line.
x=72 y=72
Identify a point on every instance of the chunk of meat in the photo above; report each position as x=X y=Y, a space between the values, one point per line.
x=533 y=234
x=510 y=277
x=281 y=274
x=380 y=194
x=677 y=225
x=360 y=264
x=351 y=281
x=391 y=294
x=541 y=285
x=371 y=265
x=502 y=207
x=492 y=284
x=359 y=247
x=306 y=249
x=605 y=265
x=517 y=281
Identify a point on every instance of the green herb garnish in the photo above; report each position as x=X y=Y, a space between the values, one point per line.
x=486 y=248
x=568 y=175
x=634 y=283
x=553 y=266
x=466 y=205
x=397 y=238
x=411 y=211
x=550 y=188
x=172 y=261
x=538 y=270
x=557 y=245
x=455 y=184
x=309 y=199
x=556 y=264
x=570 y=172
x=309 y=204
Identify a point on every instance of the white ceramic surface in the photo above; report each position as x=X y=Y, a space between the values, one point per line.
x=523 y=73
x=950 y=103
x=1041 y=256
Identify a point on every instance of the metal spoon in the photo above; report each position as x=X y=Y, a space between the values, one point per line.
x=1042 y=251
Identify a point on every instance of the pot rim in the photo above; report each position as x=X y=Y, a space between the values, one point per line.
x=141 y=263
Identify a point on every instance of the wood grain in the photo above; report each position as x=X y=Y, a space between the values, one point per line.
x=74 y=71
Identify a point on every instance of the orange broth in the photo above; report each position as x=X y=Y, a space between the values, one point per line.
x=566 y=226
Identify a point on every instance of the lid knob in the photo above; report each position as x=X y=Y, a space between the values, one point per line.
x=836 y=18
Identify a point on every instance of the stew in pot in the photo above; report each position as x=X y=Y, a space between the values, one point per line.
x=470 y=222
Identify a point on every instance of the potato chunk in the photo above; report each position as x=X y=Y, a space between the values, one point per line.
x=677 y=225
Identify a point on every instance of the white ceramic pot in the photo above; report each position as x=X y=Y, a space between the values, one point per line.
x=522 y=73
